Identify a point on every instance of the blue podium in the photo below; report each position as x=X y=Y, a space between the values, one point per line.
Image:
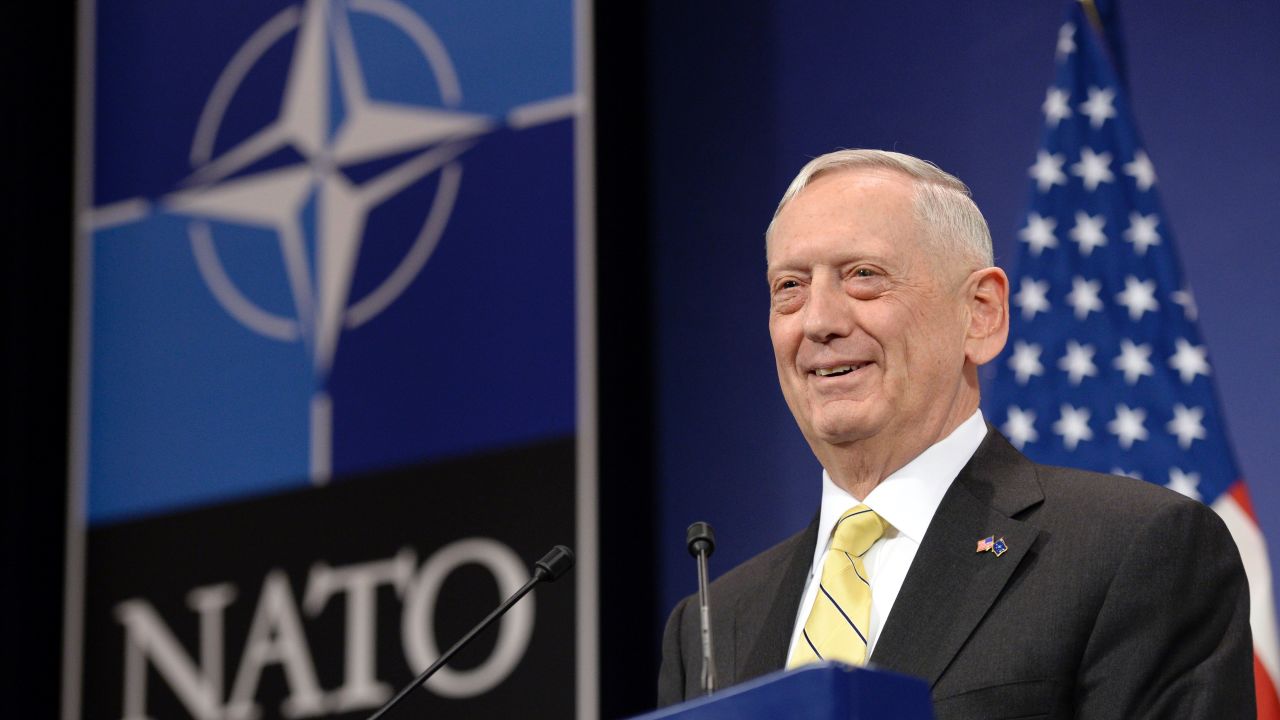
x=825 y=691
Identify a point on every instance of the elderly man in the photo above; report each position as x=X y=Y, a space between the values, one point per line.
x=1014 y=589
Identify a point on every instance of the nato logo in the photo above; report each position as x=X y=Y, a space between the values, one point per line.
x=326 y=238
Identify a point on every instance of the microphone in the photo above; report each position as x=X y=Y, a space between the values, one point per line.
x=550 y=568
x=702 y=542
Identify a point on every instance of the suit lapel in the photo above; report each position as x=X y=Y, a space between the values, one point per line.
x=764 y=620
x=950 y=586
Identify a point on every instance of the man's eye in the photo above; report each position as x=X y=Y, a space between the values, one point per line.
x=781 y=286
x=864 y=273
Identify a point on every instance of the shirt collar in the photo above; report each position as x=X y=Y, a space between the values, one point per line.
x=909 y=497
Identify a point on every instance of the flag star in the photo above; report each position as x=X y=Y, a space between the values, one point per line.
x=1138 y=296
x=1077 y=362
x=1142 y=231
x=1088 y=231
x=1039 y=233
x=1141 y=170
x=1093 y=168
x=1084 y=296
x=1066 y=40
x=1055 y=106
x=1032 y=297
x=1189 y=360
x=1185 y=483
x=1099 y=106
x=1134 y=361
x=1126 y=473
x=1048 y=170
x=1187 y=425
x=1025 y=361
x=1128 y=425
x=1188 y=302
x=1020 y=428
x=1073 y=426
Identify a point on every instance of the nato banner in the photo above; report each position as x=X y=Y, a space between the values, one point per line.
x=333 y=386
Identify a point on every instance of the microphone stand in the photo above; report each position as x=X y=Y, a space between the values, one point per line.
x=549 y=568
x=702 y=542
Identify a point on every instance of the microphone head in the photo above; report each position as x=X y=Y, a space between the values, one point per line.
x=555 y=563
x=701 y=538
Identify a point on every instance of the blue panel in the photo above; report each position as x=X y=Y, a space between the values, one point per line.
x=188 y=406
x=207 y=388
x=509 y=53
x=478 y=352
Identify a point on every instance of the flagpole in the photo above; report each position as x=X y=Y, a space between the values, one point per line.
x=1091 y=11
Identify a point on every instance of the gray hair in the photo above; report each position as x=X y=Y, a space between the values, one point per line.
x=943 y=205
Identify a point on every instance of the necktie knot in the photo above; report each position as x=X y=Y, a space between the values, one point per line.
x=857 y=530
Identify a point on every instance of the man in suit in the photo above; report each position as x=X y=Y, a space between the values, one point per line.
x=1014 y=589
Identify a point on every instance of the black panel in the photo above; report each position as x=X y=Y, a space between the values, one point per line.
x=37 y=60
x=523 y=499
x=628 y=633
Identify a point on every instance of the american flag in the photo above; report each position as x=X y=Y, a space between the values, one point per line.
x=1106 y=369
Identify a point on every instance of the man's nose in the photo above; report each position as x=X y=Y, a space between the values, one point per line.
x=828 y=312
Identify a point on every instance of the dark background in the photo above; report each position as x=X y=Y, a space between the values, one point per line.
x=703 y=114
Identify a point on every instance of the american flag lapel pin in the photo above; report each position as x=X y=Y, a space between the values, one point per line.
x=999 y=547
x=985 y=544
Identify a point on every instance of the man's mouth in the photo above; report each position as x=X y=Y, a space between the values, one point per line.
x=838 y=370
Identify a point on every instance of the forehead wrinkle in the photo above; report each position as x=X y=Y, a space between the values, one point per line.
x=947 y=264
x=848 y=190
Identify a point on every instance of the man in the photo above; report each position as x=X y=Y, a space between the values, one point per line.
x=1013 y=589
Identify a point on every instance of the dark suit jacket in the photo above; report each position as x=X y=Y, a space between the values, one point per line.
x=1115 y=599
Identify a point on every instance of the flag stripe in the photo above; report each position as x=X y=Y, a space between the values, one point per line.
x=1253 y=551
x=1268 y=699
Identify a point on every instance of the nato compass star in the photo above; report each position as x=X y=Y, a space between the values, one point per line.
x=332 y=155
x=369 y=130
x=415 y=140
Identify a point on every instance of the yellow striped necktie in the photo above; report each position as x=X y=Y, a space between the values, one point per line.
x=841 y=615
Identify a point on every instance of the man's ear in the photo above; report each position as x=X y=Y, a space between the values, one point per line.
x=987 y=293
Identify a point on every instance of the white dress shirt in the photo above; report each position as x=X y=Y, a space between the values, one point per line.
x=906 y=500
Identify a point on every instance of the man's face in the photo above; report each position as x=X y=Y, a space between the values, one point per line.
x=868 y=330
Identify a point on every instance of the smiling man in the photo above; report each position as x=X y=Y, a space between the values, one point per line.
x=1013 y=589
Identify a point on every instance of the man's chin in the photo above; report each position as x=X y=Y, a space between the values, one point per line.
x=844 y=430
